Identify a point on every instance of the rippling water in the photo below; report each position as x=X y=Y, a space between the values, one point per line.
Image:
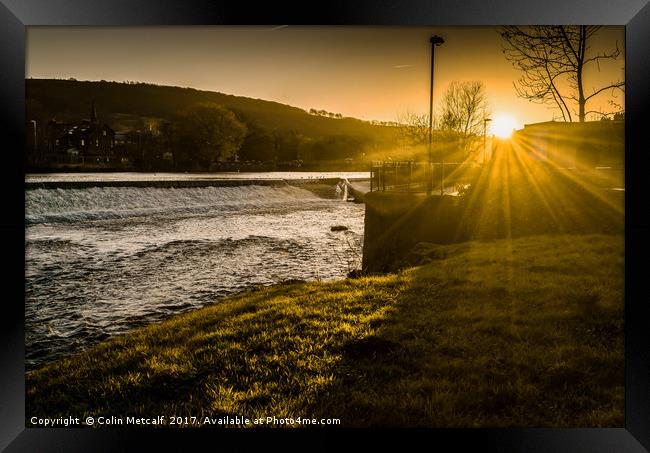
x=100 y=261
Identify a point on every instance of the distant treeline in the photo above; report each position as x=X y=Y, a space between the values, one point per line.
x=273 y=131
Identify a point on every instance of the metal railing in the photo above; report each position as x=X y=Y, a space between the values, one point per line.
x=441 y=178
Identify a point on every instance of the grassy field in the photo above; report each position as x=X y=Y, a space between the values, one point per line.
x=522 y=332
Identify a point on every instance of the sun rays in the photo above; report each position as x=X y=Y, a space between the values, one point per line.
x=521 y=191
x=502 y=126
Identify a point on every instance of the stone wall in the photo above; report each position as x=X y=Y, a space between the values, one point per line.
x=395 y=222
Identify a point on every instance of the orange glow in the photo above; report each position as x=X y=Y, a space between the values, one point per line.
x=502 y=126
x=371 y=73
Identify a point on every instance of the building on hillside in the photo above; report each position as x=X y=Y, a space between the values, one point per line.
x=588 y=144
x=88 y=141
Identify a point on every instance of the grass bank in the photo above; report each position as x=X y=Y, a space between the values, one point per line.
x=522 y=332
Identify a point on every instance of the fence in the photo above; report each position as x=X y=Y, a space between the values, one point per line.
x=449 y=178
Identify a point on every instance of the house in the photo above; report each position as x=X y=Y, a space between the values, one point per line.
x=87 y=141
x=588 y=144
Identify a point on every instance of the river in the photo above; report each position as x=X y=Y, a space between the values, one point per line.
x=103 y=259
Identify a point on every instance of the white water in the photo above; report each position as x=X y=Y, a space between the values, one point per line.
x=96 y=203
x=134 y=176
x=100 y=261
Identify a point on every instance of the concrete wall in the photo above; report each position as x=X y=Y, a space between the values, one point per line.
x=395 y=222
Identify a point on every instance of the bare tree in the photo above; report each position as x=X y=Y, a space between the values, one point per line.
x=464 y=107
x=552 y=59
x=413 y=128
x=460 y=123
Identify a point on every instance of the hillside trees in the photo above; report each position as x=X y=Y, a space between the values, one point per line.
x=274 y=132
x=413 y=129
x=206 y=133
x=256 y=145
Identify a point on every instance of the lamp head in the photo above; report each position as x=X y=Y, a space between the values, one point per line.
x=436 y=40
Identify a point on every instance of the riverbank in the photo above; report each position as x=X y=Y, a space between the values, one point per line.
x=523 y=332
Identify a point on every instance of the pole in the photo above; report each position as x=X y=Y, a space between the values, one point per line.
x=435 y=41
x=430 y=169
x=484 y=139
x=485 y=121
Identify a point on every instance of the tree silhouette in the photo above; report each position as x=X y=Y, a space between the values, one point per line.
x=210 y=132
x=553 y=60
x=413 y=128
x=464 y=107
x=457 y=127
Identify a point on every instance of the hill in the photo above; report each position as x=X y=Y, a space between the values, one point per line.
x=117 y=103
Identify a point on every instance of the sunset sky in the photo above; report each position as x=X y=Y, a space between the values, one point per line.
x=373 y=73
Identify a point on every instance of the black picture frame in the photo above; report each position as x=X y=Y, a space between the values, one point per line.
x=15 y=15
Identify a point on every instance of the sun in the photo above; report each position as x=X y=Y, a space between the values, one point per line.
x=502 y=126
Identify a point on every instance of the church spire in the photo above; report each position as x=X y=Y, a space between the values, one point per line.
x=93 y=113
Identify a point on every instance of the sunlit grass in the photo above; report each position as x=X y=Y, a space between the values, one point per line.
x=511 y=332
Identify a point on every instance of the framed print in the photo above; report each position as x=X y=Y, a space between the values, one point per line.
x=398 y=215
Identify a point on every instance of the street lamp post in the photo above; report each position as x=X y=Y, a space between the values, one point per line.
x=485 y=121
x=435 y=41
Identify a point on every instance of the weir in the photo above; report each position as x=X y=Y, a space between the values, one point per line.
x=160 y=184
x=188 y=183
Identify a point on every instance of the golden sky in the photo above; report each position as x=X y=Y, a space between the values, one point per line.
x=364 y=72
